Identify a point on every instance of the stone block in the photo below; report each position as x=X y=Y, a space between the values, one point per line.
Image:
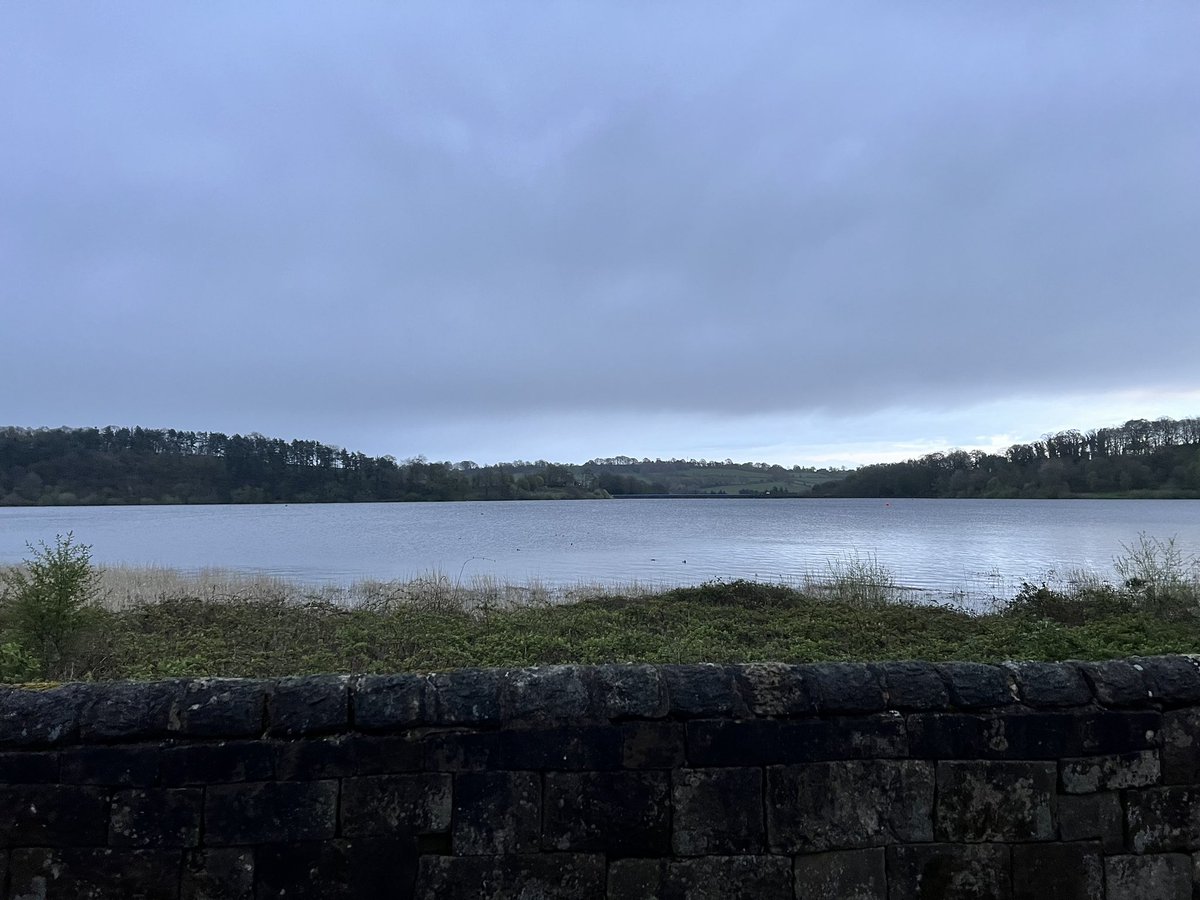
x=94 y=873
x=30 y=718
x=158 y=818
x=694 y=691
x=913 y=686
x=843 y=874
x=755 y=742
x=466 y=697
x=496 y=813
x=269 y=812
x=1099 y=817
x=124 y=766
x=337 y=870
x=612 y=812
x=774 y=690
x=344 y=755
x=222 y=707
x=1172 y=680
x=217 y=763
x=845 y=688
x=949 y=872
x=1165 y=876
x=391 y=702
x=315 y=704
x=1043 y=735
x=652 y=745
x=1117 y=683
x=29 y=767
x=131 y=711
x=461 y=751
x=717 y=811
x=225 y=874
x=1120 y=732
x=636 y=879
x=563 y=748
x=562 y=876
x=545 y=694
x=382 y=804
x=978 y=686
x=848 y=805
x=52 y=815
x=955 y=736
x=705 y=878
x=996 y=801
x=1050 y=685
x=1163 y=820
x=1110 y=773
x=1059 y=871
x=628 y=692
x=1181 y=746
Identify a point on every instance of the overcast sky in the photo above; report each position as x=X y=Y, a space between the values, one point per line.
x=803 y=233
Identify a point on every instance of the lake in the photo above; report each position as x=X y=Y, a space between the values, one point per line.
x=943 y=547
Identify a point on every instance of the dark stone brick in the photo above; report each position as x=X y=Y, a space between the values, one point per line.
x=1043 y=735
x=386 y=755
x=1107 y=773
x=564 y=748
x=216 y=763
x=913 y=686
x=1060 y=871
x=702 y=690
x=383 y=804
x=266 y=812
x=978 y=686
x=223 y=707
x=316 y=704
x=636 y=879
x=162 y=818
x=131 y=711
x=496 y=813
x=844 y=688
x=629 y=692
x=707 y=878
x=1117 y=682
x=807 y=808
x=391 y=702
x=756 y=742
x=996 y=801
x=545 y=694
x=1093 y=817
x=652 y=745
x=124 y=766
x=225 y=874
x=466 y=697
x=614 y=812
x=52 y=815
x=774 y=689
x=29 y=767
x=1172 y=680
x=562 y=876
x=88 y=874
x=337 y=870
x=1114 y=732
x=717 y=811
x=40 y=718
x=461 y=751
x=344 y=755
x=955 y=736
x=1162 y=820
x=1050 y=685
x=1181 y=746
x=1168 y=876
x=949 y=872
x=843 y=874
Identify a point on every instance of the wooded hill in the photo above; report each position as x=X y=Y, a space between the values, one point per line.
x=97 y=466
x=1141 y=458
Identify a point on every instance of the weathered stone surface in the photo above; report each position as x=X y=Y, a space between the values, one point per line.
x=567 y=747
x=1108 y=773
x=755 y=742
x=462 y=751
x=1172 y=680
x=496 y=813
x=382 y=804
x=1162 y=820
x=702 y=690
x=636 y=879
x=270 y=812
x=41 y=718
x=545 y=694
x=131 y=711
x=1061 y=871
x=216 y=763
x=707 y=878
x=52 y=815
x=1117 y=683
x=391 y=702
x=343 y=755
x=156 y=818
x=1042 y=684
x=652 y=745
x=844 y=874
x=317 y=704
x=222 y=707
x=562 y=876
x=844 y=688
x=1167 y=876
x=29 y=767
x=1120 y=732
x=717 y=811
x=1093 y=817
x=847 y=805
x=913 y=686
x=225 y=874
x=949 y=872
x=1016 y=735
x=125 y=766
x=996 y=801
x=466 y=697
x=337 y=870
x=978 y=686
x=774 y=689
x=1181 y=746
x=613 y=812
x=624 y=692
x=94 y=873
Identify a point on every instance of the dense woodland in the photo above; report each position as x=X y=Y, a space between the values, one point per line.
x=1141 y=458
x=95 y=466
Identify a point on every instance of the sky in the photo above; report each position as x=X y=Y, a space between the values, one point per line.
x=803 y=233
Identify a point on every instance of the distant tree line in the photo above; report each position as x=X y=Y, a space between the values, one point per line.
x=1141 y=458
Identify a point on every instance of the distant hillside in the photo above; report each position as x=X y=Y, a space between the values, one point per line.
x=1138 y=459
x=97 y=466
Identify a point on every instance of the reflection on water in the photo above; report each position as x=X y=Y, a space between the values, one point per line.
x=978 y=548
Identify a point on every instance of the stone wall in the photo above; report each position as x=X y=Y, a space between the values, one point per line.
x=897 y=780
